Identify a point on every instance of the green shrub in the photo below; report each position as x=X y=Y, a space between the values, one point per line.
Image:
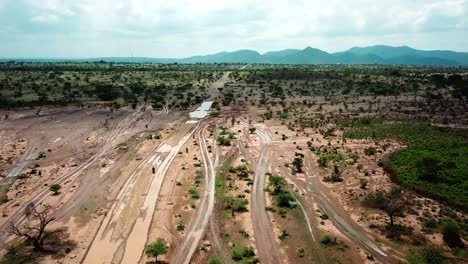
x=451 y=233
x=284 y=199
x=194 y=194
x=240 y=253
x=370 y=151
x=433 y=255
x=215 y=260
x=283 y=235
x=328 y=241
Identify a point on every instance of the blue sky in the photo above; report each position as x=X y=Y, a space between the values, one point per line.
x=179 y=28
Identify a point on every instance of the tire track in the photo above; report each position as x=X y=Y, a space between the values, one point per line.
x=192 y=238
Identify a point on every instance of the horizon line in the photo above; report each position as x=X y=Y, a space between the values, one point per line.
x=244 y=49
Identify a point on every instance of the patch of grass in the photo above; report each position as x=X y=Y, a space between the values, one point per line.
x=220 y=180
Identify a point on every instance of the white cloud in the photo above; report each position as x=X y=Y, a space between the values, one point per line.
x=184 y=27
x=49 y=18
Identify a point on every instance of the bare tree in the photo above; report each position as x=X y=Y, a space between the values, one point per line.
x=393 y=202
x=35 y=227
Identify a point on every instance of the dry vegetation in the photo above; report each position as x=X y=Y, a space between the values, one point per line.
x=357 y=160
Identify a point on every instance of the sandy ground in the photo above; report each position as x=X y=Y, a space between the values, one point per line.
x=77 y=144
x=122 y=190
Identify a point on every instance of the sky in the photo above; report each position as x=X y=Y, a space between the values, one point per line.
x=181 y=28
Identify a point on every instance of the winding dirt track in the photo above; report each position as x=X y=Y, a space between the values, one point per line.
x=191 y=240
x=266 y=245
x=314 y=191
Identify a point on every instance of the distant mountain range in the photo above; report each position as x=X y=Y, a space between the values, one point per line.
x=379 y=54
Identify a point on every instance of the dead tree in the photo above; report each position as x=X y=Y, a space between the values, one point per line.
x=35 y=227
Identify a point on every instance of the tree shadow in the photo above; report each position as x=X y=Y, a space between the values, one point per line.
x=57 y=246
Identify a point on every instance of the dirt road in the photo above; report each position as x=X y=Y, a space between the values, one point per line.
x=266 y=245
x=315 y=190
x=112 y=244
x=191 y=240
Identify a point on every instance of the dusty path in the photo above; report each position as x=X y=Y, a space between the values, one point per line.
x=266 y=245
x=112 y=244
x=191 y=240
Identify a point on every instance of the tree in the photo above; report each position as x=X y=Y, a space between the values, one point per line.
x=285 y=199
x=336 y=175
x=237 y=204
x=298 y=163
x=429 y=169
x=278 y=183
x=451 y=234
x=157 y=248
x=393 y=202
x=55 y=188
x=34 y=233
x=107 y=92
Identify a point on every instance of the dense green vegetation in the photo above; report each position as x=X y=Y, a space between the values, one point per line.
x=435 y=163
x=40 y=84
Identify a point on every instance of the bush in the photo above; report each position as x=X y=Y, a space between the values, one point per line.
x=284 y=199
x=194 y=194
x=41 y=155
x=451 y=233
x=328 y=241
x=430 y=223
x=324 y=217
x=240 y=252
x=370 y=151
x=433 y=255
x=363 y=184
x=224 y=141
x=215 y=260
x=283 y=235
x=55 y=188
x=180 y=226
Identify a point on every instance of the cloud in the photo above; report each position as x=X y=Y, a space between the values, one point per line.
x=185 y=27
